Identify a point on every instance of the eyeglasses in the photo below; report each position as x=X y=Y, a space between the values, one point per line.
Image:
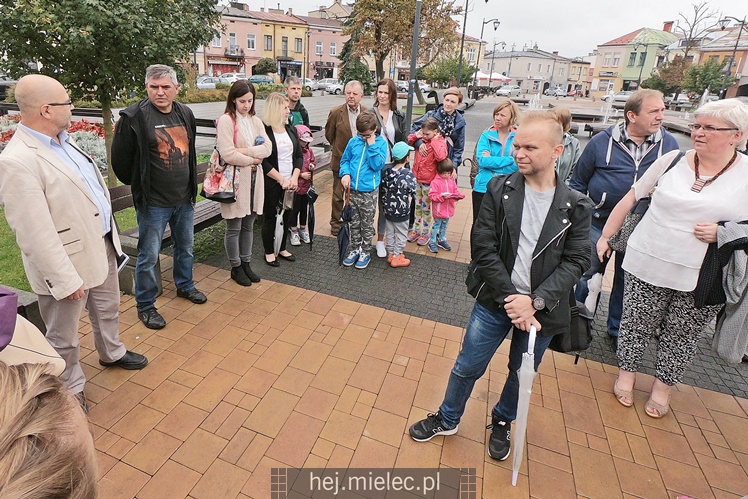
x=68 y=103
x=366 y=135
x=695 y=127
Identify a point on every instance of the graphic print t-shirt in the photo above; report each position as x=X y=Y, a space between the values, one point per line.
x=169 y=148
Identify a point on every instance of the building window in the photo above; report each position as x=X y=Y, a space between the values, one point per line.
x=471 y=54
x=251 y=42
x=216 y=42
x=606 y=60
x=529 y=67
x=642 y=57
x=632 y=59
x=232 y=41
x=319 y=48
x=560 y=71
x=540 y=68
x=548 y=68
x=333 y=48
x=284 y=46
x=268 y=42
x=714 y=58
x=298 y=47
x=616 y=59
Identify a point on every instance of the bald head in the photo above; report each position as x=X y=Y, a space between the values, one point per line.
x=43 y=103
x=32 y=91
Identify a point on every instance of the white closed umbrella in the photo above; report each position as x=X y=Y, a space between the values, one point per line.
x=526 y=379
x=278 y=235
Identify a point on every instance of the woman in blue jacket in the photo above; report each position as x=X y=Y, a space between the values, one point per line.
x=495 y=151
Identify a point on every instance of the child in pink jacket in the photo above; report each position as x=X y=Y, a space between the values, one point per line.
x=443 y=194
x=432 y=150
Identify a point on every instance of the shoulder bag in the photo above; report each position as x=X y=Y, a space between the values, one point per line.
x=221 y=179
x=579 y=335
x=620 y=239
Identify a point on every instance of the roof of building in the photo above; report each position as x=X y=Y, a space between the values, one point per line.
x=262 y=16
x=644 y=36
x=727 y=40
x=320 y=21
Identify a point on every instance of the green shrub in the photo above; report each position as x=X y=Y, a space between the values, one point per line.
x=223 y=86
x=264 y=90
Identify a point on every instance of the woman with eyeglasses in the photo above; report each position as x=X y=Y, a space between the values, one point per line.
x=664 y=254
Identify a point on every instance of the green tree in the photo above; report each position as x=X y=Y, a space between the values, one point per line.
x=266 y=65
x=353 y=68
x=101 y=48
x=669 y=78
x=444 y=71
x=381 y=26
x=709 y=75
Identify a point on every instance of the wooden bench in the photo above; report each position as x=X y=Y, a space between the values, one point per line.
x=83 y=112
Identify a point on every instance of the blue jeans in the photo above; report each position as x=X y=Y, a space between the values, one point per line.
x=485 y=333
x=151 y=225
x=439 y=230
x=615 y=305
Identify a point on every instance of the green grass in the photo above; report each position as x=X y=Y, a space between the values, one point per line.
x=11 y=266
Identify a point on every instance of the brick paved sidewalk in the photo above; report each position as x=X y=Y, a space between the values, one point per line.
x=278 y=376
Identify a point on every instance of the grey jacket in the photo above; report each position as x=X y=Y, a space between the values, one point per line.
x=731 y=334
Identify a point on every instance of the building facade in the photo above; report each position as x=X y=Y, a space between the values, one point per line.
x=534 y=70
x=624 y=62
x=325 y=40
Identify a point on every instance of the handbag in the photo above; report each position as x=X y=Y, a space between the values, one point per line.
x=8 y=311
x=220 y=180
x=620 y=239
x=287 y=201
x=579 y=335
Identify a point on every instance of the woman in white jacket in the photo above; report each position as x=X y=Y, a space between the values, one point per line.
x=243 y=142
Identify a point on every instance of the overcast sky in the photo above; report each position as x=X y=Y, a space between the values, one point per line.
x=573 y=28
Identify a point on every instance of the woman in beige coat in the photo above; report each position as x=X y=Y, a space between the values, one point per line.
x=243 y=142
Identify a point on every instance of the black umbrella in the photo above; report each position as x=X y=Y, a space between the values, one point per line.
x=312 y=195
x=344 y=236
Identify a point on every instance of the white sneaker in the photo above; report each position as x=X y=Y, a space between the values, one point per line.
x=381 y=250
x=304 y=236
x=295 y=240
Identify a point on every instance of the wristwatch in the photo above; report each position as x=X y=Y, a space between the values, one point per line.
x=538 y=303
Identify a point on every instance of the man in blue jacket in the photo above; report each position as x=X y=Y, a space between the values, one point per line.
x=610 y=164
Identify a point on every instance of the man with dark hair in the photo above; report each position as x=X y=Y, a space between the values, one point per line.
x=299 y=115
x=340 y=127
x=154 y=152
x=58 y=206
x=610 y=164
x=529 y=248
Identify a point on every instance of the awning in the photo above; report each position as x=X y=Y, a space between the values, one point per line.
x=226 y=63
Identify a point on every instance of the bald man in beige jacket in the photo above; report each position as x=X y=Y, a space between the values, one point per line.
x=58 y=206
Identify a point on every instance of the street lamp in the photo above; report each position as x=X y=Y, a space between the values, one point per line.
x=493 y=53
x=496 y=24
x=723 y=24
x=462 y=43
x=641 y=63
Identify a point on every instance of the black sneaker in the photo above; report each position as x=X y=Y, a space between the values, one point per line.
x=152 y=319
x=428 y=428
x=193 y=295
x=499 y=443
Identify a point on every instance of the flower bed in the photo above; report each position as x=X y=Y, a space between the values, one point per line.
x=87 y=135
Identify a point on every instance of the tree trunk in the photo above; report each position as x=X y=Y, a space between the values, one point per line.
x=379 y=64
x=106 y=112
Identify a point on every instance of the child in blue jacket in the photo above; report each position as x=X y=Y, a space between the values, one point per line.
x=360 y=170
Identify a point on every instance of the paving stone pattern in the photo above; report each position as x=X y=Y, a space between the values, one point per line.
x=434 y=289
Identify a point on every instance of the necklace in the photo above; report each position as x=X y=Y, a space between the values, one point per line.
x=700 y=183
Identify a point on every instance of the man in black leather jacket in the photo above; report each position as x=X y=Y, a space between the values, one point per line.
x=530 y=245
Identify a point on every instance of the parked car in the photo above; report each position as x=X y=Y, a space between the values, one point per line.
x=402 y=85
x=742 y=99
x=681 y=99
x=622 y=96
x=209 y=82
x=574 y=93
x=322 y=84
x=232 y=77
x=555 y=92
x=261 y=80
x=509 y=91
x=425 y=87
x=309 y=84
x=334 y=88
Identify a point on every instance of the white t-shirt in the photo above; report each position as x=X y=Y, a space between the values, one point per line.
x=389 y=134
x=534 y=212
x=663 y=250
x=285 y=154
